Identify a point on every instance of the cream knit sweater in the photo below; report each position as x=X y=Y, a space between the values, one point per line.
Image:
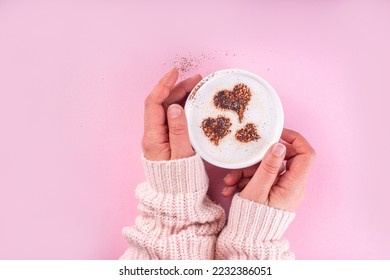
x=178 y=221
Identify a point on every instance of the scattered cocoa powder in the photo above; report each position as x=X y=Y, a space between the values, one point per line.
x=190 y=63
x=186 y=63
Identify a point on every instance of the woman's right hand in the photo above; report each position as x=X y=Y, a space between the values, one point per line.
x=264 y=184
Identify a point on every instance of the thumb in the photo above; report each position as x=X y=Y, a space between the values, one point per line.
x=259 y=186
x=178 y=133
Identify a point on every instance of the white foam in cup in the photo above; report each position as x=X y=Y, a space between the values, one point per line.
x=264 y=110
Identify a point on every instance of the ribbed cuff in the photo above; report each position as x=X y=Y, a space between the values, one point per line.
x=176 y=176
x=257 y=221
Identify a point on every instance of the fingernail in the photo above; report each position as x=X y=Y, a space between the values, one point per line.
x=174 y=110
x=170 y=78
x=278 y=150
x=167 y=74
x=196 y=76
x=170 y=71
x=227 y=176
x=224 y=190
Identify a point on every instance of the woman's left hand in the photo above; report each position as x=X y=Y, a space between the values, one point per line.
x=165 y=126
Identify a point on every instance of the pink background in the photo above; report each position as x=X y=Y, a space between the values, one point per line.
x=73 y=77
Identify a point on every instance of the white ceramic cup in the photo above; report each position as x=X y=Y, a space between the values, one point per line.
x=264 y=110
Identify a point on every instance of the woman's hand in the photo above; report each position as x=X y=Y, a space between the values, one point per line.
x=165 y=126
x=268 y=183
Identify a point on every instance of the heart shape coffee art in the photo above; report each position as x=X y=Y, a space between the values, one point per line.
x=216 y=128
x=247 y=133
x=235 y=100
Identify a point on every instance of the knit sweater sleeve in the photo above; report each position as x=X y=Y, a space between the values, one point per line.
x=177 y=220
x=254 y=231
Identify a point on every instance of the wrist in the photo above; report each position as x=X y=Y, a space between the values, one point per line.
x=154 y=155
x=261 y=222
x=176 y=176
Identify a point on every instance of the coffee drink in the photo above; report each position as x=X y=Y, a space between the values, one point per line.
x=234 y=116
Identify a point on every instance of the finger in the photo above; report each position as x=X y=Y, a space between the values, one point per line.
x=178 y=133
x=250 y=171
x=290 y=152
x=233 y=177
x=300 y=154
x=243 y=182
x=154 y=111
x=229 y=191
x=282 y=169
x=298 y=144
x=258 y=188
x=180 y=91
x=297 y=171
x=163 y=88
